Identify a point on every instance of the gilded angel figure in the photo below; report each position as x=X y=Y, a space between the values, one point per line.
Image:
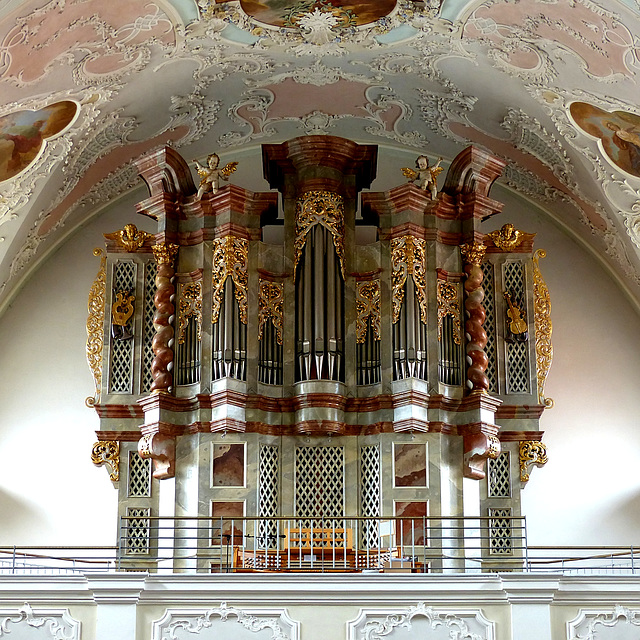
x=425 y=176
x=211 y=175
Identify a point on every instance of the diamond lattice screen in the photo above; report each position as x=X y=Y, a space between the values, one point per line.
x=148 y=331
x=320 y=484
x=268 y=491
x=139 y=485
x=137 y=531
x=490 y=324
x=121 y=364
x=517 y=352
x=370 y=494
x=498 y=476
x=500 y=542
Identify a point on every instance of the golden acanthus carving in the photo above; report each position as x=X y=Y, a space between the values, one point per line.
x=165 y=252
x=107 y=452
x=543 y=327
x=448 y=305
x=95 y=325
x=408 y=258
x=324 y=208
x=190 y=306
x=507 y=238
x=130 y=237
x=270 y=301
x=473 y=253
x=122 y=308
x=532 y=452
x=367 y=306
x=230 y=259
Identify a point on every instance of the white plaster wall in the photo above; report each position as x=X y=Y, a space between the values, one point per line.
x=50 y=492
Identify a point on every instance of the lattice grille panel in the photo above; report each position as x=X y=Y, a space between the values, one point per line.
x=500 y=538
x=490 y=324
x=137 y=531
x=499 y=477
x=148 y=331
x=121 y=364
x=320 y=485
x=139 y=485
x=517 y=352
x=268 y=492
x=370 y=494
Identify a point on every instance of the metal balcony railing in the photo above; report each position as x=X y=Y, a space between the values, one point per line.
x=412 y=545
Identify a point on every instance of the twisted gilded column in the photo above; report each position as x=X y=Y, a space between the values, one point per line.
x=472 y=256
x=165 y=254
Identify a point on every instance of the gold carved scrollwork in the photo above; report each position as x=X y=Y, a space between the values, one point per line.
x=324 y=208
x=130 y=237
x=494 y=447
x=408 y=257
x=367 y=306
x=107 y=452
x=230 y=259
x=270 y=303
x=190 y=306
x=507 y=238
x=473 y=253
x=532 y=452
x=448 y=305
x=543 y=327
x=165 y=252
x=95 y=325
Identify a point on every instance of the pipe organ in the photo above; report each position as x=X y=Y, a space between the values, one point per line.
x=321 y=352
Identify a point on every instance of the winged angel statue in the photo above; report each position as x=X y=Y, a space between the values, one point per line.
x=211 y=175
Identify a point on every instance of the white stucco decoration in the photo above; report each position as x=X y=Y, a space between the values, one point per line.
x=426 y=623
x=619 y=624
x=26 y=623
x=225 y=623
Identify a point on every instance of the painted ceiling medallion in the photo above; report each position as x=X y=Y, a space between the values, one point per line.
x=23 y=134
x=617 y=131
x=280 y=13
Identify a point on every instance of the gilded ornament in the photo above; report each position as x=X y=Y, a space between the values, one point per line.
x=408 y=257
x=230 y=256
x=367 y=306
x=543 y=327
x=473 y=253
x=448 y=305
x=165 y=252
x=107 y=452
x=121 y=311
x=190 y=306
x=95 y=325
x=494 y=447
x=324 y=208
x=270 y=301
x=507 y=238
x=130 y=237
x=532 y=452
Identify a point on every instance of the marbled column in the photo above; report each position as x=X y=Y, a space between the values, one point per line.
x=472 y=255
x=165 y=254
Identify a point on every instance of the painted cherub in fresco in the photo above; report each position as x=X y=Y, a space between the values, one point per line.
x=211 y=175
x=425 y=176
x=628 y=141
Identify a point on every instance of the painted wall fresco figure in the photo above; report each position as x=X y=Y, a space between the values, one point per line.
x=23 y=133
x=617 y=131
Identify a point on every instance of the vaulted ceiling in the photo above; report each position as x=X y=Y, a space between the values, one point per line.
x=87 y=86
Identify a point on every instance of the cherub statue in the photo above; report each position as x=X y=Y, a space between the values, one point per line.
x=425 y=176
x=210 y=175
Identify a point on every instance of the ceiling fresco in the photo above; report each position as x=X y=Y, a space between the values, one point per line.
x=551 y=86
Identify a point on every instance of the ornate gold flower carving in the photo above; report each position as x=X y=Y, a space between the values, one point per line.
x=107 y=452
x=230 y=259
x=270 y=301
x=532 y=452
x=473 y=253
x=165 y=252
x=408 y=257
x=448 y=304
x=543 y=327
x=95 y=325
x=367 y=306
x=190 y=306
